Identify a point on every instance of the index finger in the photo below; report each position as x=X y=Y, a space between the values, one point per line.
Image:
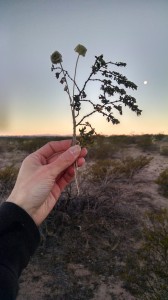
x=53 y=147
x=55 y=156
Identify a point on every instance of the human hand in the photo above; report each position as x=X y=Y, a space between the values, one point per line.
x=43 y=176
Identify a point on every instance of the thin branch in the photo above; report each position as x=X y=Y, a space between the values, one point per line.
x=71 y=103
x=92 y=73
x=67 y=85
x=112 y=102
x=116 y=64
x=74 y=122
x=74 y=117
x=74 y=125
x=97 y=79
x=87 y=100
x=74 y=80
x=79 y=123
x=77 y=114
x=66 y=73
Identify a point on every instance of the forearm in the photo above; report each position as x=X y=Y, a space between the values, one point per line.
x=19 y=238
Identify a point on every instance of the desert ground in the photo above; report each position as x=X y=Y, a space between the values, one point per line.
x=111 y=240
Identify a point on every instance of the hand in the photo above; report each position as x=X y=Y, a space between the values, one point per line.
x=43 y=176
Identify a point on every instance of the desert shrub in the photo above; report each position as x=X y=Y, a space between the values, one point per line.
x=6 y=144
x=104 y=171
x=122 y=140
x=102 y=150
x=90 y=220
x=3 y=144
x=101 y=171
x=130 y=166
x=162 y=181
x=100 y=139
x=158 y=137
x=146 y=273
x=164 y=150
x=32 y=144
x=105 y=151
x=8 y=177
x=145 y=142
x=1 y=149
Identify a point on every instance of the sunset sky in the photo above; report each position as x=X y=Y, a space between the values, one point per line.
x=132 y=31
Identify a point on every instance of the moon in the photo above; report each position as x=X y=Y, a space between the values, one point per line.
x=145 y=82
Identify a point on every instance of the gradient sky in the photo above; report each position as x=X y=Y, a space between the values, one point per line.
x=132 y=31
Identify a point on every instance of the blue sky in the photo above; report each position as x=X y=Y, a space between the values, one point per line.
x=135 y=32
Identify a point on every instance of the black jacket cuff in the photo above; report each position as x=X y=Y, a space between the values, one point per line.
x=11 y=214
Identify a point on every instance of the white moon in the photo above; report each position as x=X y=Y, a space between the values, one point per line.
x=145 y=82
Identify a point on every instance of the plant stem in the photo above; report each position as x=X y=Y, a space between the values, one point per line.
x=72 y=107
x=73 y=115
x=74 y=121
x=74 y=124
x=67 y=86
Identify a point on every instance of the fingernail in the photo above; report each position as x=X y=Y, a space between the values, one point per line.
x=75 y=149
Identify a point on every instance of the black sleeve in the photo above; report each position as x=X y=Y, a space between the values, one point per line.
x=19 y=238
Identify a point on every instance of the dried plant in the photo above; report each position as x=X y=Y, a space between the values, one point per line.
x=110 y=82
x=162 y=181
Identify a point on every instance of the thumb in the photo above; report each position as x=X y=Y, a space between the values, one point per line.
x=65 y=160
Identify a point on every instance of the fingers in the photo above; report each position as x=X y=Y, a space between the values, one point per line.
x=63 y=182
x=52 y=148
x=83 y=153
x=66 y=178
x=65 y=160
x=80 y=161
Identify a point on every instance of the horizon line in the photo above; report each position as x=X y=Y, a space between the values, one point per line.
x=70 y=135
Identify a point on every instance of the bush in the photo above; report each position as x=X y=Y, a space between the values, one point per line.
x=146 y=272
x=158 y=137
x=164 y=150
x=7 y=144
x=145 y=142
x=101 y=171
x=122 y=140
x=104 y=171
x=130 y=166
x=8 y=177
x=162 y=181
x=31 y=145
x=102 y=150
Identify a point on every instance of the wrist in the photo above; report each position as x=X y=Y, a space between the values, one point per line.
x=20 y=202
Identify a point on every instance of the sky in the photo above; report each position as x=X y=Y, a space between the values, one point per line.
x=33 y=102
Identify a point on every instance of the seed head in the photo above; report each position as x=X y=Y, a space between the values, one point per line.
x=80 y=49
x=56 y=57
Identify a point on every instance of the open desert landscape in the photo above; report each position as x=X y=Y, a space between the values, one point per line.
x=111 y=240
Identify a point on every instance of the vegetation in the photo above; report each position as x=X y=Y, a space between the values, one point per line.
x=8 y=177
x=112 y=85
x=32 y=144
x=147 y=270
x=108 y=170
x=130 y=166
x=103 y=236
x=158 y=137
x=146 y=142
x=162 y=181
x=164 y=150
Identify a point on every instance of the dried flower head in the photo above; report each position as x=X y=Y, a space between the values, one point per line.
x=80 y=49
x=56 y=57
